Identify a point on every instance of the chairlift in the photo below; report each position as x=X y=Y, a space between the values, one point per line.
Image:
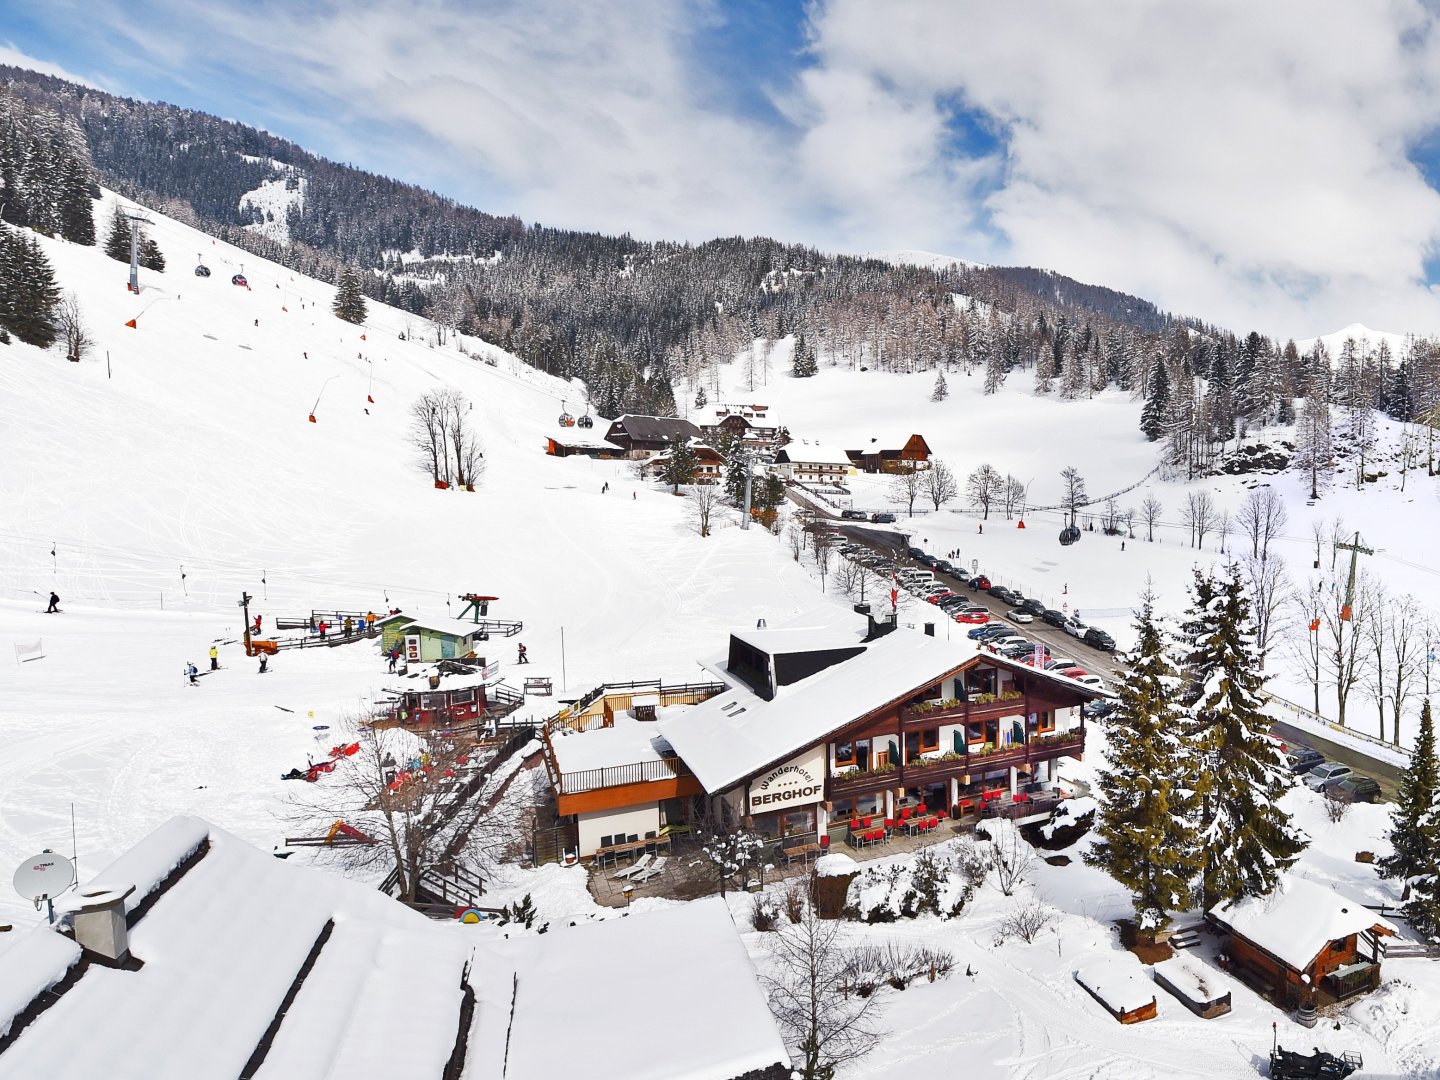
x=566 y=420
x=239 y=279
x=201 y=270
x=1070 y=535
x=586 y=421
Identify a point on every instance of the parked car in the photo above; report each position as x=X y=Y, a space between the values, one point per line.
x=972 y=615
x=978 y=634
x=1091 y=680
x=915 y=552
x=1356 y=788
x=939 y=594
x=1053 y=617
x=1302 y=759
x=930 y=561
x=1094 y=710
x=1034 y=607
x=1323 y=776
x=853 y=515
x=1073 y=672
x=997 y=632
x=1099 y=639
x=1074 y=627
x=1060 y=663
x=1020 y=616
x=1015 y=648
x=1000 y=592
x=943 y=567
x=882 y=519
x=980 y=583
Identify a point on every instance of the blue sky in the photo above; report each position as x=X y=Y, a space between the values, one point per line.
x=1209 y=156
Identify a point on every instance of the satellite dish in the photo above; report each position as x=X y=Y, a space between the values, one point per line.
x=44 y=876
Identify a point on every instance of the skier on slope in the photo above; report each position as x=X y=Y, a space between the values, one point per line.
x=54 y=607
x=214 y=658
x=520 y=657
x=192 y=673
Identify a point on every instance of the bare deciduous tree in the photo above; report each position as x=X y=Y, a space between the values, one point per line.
x=1304 y=639
x=731 y=851
x=938 y=484
x=1261 y=518
x=1344 y=634
x=1011 y=858
x=442 y=435
x=984 y=487
x=1150 y=511
x=72 y=327
x=1269 y=587
x=904 y=488
x=1072 y=491
x=1199 y=516
x=822 y=1020
x=1014 y=496
x=1025 y=920
x=702 y=501
x=419 y=806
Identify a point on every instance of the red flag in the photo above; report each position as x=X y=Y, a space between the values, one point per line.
x=362 y=337
x=132 y=325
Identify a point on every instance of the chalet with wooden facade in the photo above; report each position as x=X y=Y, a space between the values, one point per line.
x=747 y=425
x=581 y=446
x=638 y=435
x=813 y=463
x=451 y=694
x=1303 y=931
x=895 y=454
x=709 y=465
x=816 y=723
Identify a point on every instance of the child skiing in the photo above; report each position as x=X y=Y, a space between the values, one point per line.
x=192 y=673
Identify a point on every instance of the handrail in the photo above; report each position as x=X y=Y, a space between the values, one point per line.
x=638 y=772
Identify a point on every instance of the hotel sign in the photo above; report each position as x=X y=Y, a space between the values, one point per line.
x=792 y=784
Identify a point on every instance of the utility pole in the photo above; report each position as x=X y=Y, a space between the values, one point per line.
x=245 y=599
x=135 y=222
x=1356 y=548
x=749 y=478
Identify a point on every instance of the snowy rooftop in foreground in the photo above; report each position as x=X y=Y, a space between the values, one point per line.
x=1297 y=919
x=231 y=935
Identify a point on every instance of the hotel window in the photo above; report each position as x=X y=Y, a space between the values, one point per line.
x=844 y=754
x=929 y=739
x=1047 y=722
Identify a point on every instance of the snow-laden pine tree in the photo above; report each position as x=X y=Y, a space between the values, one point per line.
x=1415 y=821
x=28 y=294
x=349 y=299
x=940 y=391
x=117 y=240
x=1157 y=401
x=1239 y=775
x=1147 y=832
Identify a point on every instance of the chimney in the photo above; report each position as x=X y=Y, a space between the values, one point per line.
x=98 y=915
x=877 y=629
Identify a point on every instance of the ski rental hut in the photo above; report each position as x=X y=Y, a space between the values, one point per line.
x=425 y=639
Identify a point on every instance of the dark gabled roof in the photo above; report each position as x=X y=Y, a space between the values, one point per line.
x=654 y=428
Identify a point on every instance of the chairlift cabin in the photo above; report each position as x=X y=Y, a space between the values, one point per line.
x=566 y=420
x=201 y=270
x=1070 y=535
x=586 y=421
x=239 y=279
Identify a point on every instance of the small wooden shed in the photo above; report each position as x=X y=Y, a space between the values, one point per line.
x=1118 y=983
x=1303 y=935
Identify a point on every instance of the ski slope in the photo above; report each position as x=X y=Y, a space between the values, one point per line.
x=195 y=456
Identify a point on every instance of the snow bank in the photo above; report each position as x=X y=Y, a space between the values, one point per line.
x=836 y=864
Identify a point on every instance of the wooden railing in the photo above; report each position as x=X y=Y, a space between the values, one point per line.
x=960 y=711
x=639 y=772
x=930 y=770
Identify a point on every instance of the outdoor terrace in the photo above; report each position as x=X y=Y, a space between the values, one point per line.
x=932 y=770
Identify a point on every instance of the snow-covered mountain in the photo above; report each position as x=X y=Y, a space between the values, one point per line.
x=1362 y=335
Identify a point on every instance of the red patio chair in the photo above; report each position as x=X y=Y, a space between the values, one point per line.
x=1020 y=796
x=868 y=822
x=904 y=813
x=825 y=842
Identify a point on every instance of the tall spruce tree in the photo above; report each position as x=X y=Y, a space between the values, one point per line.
x=680 y=464
x=27 y=285
x=117 y=240
x=1415 y=821
x=803 y=365
x=1147 y=832
x=349 y=299
x=940 y=391
x=1157 y=401
x=1246 y=838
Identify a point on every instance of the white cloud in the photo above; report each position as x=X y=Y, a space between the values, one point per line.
x=1244 y=163
x=15 y=57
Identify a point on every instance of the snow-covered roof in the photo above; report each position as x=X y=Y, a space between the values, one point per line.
x=737 y=732
x=418 y=679
x=801 y=453
x=797 y=637
x=584 y=1002
x=443 y=624
x=1297 y=920
x=627 y=742
x=1119 y=981
x=230 y=938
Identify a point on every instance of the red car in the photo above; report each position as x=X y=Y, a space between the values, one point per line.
x=1074 y=672
x=937 y=597
x=980 y=584
x=976 y=617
